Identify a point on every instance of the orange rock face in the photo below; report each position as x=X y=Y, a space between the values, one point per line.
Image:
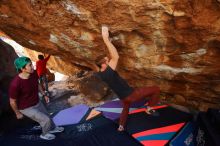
x=173 y=44
x=55 y=63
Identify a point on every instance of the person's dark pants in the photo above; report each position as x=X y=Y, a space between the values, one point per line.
x=149 y=93
x=44 y=82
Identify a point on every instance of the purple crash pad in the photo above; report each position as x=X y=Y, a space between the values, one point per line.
x=118 y=104
x=71 y=115
x=111 y=110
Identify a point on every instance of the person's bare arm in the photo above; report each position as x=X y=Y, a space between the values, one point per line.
x=47 y=58
x=47 y=99
x=111 y=48
x=14 y=107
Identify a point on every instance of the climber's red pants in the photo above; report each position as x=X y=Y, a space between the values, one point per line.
x=149 y=93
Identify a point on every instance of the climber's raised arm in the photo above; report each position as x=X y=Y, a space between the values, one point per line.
x=111 y=48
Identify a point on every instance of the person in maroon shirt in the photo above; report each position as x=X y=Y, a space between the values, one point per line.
x=24 y=100
x=42 y=71
x=107 y=72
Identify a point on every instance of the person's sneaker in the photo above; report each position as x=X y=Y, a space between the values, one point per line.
x=121 y=128
x=149 y=110
x=48 y=136
x=57 y=130
x=152 y=112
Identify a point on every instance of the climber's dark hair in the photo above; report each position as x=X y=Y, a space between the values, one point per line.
x=41 y=57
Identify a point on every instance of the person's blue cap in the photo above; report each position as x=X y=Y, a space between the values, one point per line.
x=20 y=62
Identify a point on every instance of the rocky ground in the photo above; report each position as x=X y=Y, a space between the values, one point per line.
x=82 y=88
